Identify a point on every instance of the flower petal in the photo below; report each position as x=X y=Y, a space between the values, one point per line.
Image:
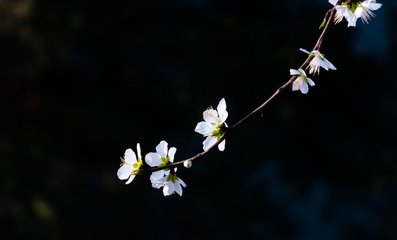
x=209 y=142
x=296 y=84
x=138 y=150
x=210 y=116
x=168 y=188
x=153 y=159
x=162 y=149
x=129 y=156
x=132 y=176
x=333 y=2
x=125 y=171
x=205 y=128
x=171 y=153
x=156 y=176
x=304 y=87
x=223 y=114
x=311 y=83
x=158 y=183
x=182 y=182
x=293 y=72
x=221 y=146
x=304 y=50
x=178 y=188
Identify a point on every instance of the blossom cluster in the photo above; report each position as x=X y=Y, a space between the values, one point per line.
x=161 y=163
x=351 y=11
x=213 y=128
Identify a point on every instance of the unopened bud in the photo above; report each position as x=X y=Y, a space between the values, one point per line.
x=187 y=163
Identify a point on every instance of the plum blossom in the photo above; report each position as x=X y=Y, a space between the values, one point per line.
x=344 y=11
x=170 y=183
x=354 y=10
x=364 y=10
x=301 y=82
x=160 y=158
x=318 y=61
x=130 y=165
x=213 y=126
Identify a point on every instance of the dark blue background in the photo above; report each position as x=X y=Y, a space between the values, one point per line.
x=81 y=81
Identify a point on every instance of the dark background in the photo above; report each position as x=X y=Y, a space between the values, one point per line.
x=81 y=81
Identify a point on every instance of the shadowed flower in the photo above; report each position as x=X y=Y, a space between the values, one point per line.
x=364 y=10
x=318 y=61
x=301 y=82
x=170 y=183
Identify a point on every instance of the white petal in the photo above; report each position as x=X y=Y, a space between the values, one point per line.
x=205 y=128
x=209 y=142
x=153 y=159
x=125 y=171
x=222 y=110
x=296 y=84
x=329 y=64
x=302 y=72
x=171 y=153
x=156 y=176
x=311 y=83
x=333 y=2
x=371 y=5
x=178 y=188
x=162 y=149
x=168 y=188
x=293 y=72
x=129 y=156
x=304 y=50
x=182 y=182
x=132 y=176
x=138 y=150
x=304 y=87
x=221 y=146
x=210 y=115
x=158 y=183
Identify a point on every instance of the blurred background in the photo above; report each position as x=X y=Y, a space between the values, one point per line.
x=81 y=81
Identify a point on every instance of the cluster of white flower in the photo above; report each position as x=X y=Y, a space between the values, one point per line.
x=318 y=60
x=166 y=178
x=353 y=10
x=214 y=126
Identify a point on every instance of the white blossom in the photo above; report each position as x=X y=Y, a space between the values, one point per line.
x=364 y=10
x=160 y=158
x=213 y=126
x=130 y=164
x=301 y=82
x=170 y=184
x=318 y=61
x=355 y=10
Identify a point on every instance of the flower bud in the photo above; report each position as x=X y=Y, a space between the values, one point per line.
x=187 y=163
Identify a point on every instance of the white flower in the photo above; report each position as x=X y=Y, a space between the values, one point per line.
x=355 y=10
x=345 y=10
x=160 y=158
x=318 y=61
x=364 y=10
x=170 y=183
x=213 y=126
x=130 y=164
x=301 y=82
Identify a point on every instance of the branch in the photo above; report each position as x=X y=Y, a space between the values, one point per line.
x=329 y=16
